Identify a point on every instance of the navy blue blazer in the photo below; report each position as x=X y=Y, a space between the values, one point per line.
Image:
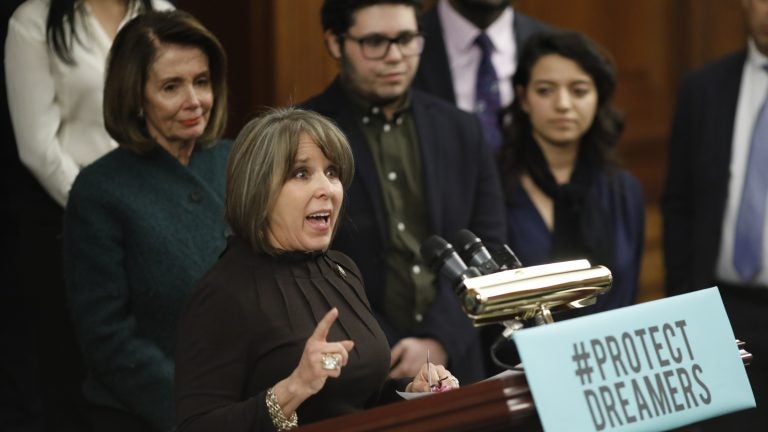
x=434 y=74
x=462 y=190
x=698 y=164
x=621 y=196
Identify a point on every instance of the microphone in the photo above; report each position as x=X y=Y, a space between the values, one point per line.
x=473 y=252
x=442 y=258
x=507 y=259
x=508 y=293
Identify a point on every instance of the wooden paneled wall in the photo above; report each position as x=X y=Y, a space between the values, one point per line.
x=277 y=57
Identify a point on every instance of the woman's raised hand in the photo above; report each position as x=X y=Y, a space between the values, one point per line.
x=321 y=359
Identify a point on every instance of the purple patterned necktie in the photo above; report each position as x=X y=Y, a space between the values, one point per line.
x=487 y=97
x=748 y=239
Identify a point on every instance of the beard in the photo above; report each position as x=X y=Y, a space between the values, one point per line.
x=351 y=80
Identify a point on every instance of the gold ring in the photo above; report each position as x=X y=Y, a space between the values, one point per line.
x=331 y=361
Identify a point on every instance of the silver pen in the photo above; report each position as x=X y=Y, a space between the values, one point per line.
x=429 y=371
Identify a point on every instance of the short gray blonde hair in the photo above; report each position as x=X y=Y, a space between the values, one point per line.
x=261 y=162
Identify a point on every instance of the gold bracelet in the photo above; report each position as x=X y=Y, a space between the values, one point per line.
x=276 y=413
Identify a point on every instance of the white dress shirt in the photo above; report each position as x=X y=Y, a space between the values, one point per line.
x=464 y=56
x=752 y=93
x=56 y=109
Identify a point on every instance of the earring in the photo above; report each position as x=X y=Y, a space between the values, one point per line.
x=141 y=113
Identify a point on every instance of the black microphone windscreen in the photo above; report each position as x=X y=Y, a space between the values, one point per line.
x=466 y=241
x=473 y=252
x=433 y=250
x=442 y=258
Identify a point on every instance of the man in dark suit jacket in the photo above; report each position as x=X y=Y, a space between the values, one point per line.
x=499 y=20
x=708 y=153
x=421 y=169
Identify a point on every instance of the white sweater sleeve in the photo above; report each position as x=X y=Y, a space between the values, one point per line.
x=35 y=114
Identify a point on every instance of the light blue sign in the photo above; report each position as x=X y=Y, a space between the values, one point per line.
x=648 y=367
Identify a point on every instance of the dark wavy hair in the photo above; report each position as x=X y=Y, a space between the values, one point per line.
x=599 y=141
x=336 y=15
x=60 y=29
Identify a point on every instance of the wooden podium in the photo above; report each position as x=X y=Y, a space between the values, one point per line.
x=491 y=405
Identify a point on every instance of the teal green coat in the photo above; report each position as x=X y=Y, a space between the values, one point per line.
x=138 y=233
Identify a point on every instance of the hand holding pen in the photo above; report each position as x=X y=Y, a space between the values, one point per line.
x=432 y=378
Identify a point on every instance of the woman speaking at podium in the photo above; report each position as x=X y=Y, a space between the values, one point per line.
x=566 y=196
x=279 y=332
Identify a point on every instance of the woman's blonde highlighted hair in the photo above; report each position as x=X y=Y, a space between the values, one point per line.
x=261 y=161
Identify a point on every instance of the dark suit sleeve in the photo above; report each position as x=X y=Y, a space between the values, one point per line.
x=677 y=201
x=640 y=234
x=434 y=74
x=482 y=199
x=446 y=322
x=526 y=26
x=633 y=207
x=488 y=201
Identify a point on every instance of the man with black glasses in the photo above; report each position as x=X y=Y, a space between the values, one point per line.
x=421 y=169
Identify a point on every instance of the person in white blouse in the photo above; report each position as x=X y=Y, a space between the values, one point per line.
x=54 y=80
x=55 y=77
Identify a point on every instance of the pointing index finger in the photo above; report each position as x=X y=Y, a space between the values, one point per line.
x=321 y=331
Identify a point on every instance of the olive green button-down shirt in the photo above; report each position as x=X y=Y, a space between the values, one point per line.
x=394 y=145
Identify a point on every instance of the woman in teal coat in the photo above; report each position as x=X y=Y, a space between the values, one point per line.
x=145 y=221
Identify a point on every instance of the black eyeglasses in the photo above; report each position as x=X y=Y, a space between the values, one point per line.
x=376 y=46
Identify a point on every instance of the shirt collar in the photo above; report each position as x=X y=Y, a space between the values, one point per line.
x=462 y=34
x=364 y=109
x=754 y=57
